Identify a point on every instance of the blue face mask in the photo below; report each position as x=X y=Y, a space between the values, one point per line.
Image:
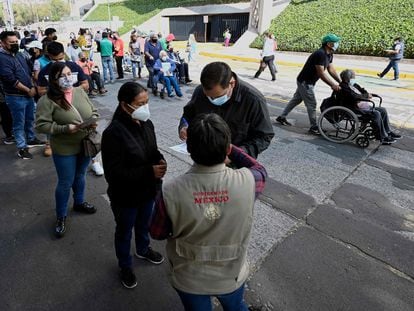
x=219 y=101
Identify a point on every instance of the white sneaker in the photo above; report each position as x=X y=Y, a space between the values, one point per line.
x=97 y=168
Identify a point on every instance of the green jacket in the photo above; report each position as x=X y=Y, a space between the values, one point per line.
x=106 y=47
x=53 y=120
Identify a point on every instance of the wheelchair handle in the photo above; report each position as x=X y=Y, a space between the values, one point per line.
x=380 y=98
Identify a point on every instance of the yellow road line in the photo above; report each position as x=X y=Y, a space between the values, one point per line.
x=287 y=63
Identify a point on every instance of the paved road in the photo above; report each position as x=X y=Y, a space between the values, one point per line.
x=334 y=229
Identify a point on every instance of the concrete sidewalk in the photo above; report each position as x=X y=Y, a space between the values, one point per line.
x=363 y=65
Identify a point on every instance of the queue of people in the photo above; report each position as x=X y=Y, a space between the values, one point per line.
x=206 y=214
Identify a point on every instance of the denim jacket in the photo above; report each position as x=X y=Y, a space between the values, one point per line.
x=14 y=69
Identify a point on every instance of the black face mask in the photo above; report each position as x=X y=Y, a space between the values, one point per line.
x=54 y=38
x=14 y=48
x=32 y=52
x=154 y=40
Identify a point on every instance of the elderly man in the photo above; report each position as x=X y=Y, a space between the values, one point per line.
x=313 y=70
x=241 y=105
x=164 y=69
x=152 y=51
x=91 y=72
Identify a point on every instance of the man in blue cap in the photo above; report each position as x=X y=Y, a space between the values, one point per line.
x=313 y=70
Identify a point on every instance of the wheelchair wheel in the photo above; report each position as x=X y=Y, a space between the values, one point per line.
x=362 y=141
x=369 y=133
x=338 y=124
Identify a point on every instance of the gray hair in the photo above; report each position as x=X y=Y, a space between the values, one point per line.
x=346 y=75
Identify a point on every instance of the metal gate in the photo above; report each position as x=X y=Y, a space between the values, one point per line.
x=238 y=24
x=183 y=26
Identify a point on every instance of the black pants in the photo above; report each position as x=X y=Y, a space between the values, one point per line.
x=95 y=78
x=119 y=69
x=6 y=119
x=268 y=61
x=150 y=83
x=183 y=72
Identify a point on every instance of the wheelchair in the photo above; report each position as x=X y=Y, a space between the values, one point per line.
x=340 y=124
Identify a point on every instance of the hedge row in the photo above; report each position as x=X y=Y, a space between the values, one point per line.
x=366 y=27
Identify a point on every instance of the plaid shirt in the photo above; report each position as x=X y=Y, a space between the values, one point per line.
x=161 y=226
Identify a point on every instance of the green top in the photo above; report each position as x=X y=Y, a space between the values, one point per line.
x=106 y=47
x=54 y=120
x=163 y=43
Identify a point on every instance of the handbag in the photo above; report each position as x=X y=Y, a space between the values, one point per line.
x=91 y=144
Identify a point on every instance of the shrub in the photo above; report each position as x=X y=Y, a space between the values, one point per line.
x=366 y=27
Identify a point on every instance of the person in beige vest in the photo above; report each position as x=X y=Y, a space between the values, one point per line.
x=206 y=215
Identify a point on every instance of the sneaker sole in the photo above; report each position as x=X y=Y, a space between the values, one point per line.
x=39 y=145
x=8 y=142
x=23 y=158
x=129 y=286
x=154 y=262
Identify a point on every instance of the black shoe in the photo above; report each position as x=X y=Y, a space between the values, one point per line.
x=35 y=143
x=24 y=154
x=388 y=141
x=379 y=75
x=394 y=135
x=314 y=130
x=162 y=95
x=9 y=140
x=120 y=78
x=283 y=121
x=85 y=207
x=60 y=227
x=152 y=256
x=128 y=278
x=274 y=79
x=155 y=92
x=188 y=81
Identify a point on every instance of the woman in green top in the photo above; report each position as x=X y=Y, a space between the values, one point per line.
x=59 y=114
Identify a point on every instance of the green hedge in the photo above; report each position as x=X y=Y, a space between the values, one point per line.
x=135 y=12
x=367 y=27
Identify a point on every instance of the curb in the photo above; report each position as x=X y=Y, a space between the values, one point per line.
x=293 y=64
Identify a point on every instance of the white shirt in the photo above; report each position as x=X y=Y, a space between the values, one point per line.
x=268 y=47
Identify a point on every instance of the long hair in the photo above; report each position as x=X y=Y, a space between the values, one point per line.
x=54 y=91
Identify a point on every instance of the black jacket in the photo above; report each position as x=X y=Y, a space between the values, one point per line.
x=246 y=114
x=348 y=98
x=129 y=150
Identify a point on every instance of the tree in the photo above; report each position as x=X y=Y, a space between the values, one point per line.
x=58 y=9
x=22 y=14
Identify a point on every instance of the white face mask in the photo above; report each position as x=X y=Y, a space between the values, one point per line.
x=335 y=46
x=68 y=82
x=142 y=113
x=164 y=58
x=352 y=81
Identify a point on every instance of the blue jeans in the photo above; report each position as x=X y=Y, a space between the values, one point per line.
x=108 y=64
x=71 y=172
x=230 y=302
x=128 y=218
x=394 y=65
x=168 y=81
x=22 y=110
x=136 y=66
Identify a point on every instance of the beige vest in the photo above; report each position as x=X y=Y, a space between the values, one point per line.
x=211 y=210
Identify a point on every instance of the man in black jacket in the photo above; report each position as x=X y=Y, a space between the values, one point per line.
x=241 y=105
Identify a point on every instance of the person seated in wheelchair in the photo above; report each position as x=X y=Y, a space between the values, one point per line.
x=164 y=72
x=92 y=74
x=356 y=98
x=182 y=66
